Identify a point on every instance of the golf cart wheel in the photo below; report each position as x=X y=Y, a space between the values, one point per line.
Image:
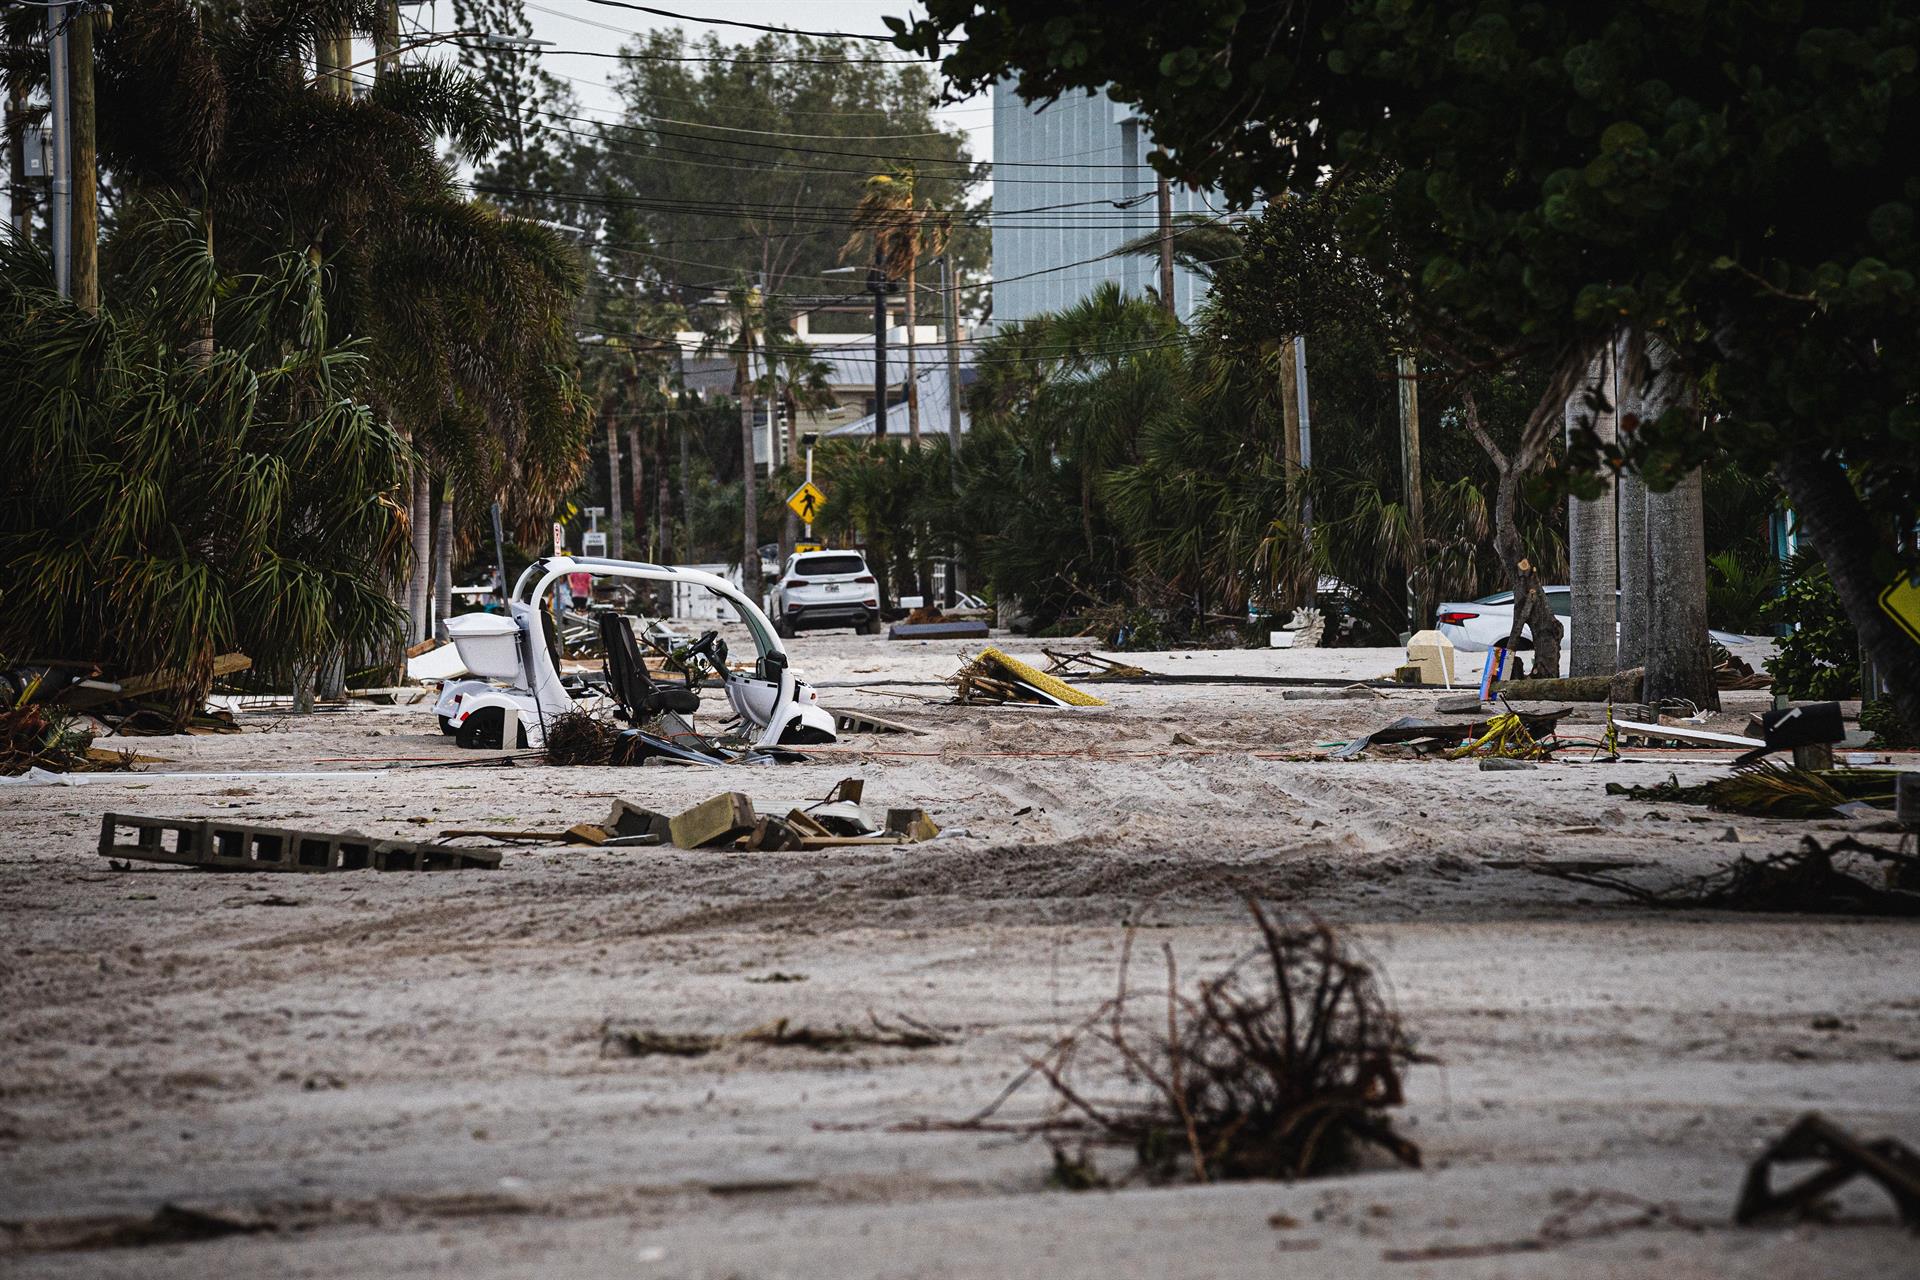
x=481 y=732
x=446 y=726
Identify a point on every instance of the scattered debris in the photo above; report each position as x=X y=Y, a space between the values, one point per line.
x=225 y=846
x=580 y=737
x=958 y=629
x=865 y=722
x=1769 y=790
x=1465 y=704
x=1578 y=1215
x=1279 y=1067
x=1842 y=1158
x=729 y=820
x=1442 y=733
x=1730 y=672
x=1355 y=691
x=1679 y=733
x=1623 y=686
x=994 y=677
x=1802 y=881
x=783 y=1033
x=34 y=736
x=1087 y=665
x=626 y=825
x=1506 y=737
x=1499 y=764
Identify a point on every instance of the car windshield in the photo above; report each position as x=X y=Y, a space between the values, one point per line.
x=828 y=566
x=1498 y=597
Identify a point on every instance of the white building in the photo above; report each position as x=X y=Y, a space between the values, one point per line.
x=1058 y=172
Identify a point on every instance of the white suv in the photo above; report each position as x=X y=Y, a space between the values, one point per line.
x=826 y=589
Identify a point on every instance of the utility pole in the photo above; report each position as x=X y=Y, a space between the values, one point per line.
x=60 y=206
x=877 y=281
x=1312 y=584
x=19 y=203
x=85 y=225
x=950 y=288
x=1165 y=192
x=749 y=477
x=913 y=369
x=1418 y=606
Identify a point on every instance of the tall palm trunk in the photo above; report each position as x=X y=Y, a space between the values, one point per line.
x=1679 y=664
x=1678 y=661
x=419 y=580
x=1636 y=571
x=443 y=555
x=616 y=516
x=1593 y=647
x=638 y=494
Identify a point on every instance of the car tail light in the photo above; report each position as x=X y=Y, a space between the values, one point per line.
x=1457 y=619
x=866 y=577
x=797 y=582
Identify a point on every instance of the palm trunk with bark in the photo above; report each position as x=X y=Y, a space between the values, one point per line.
x=1679 y=661
x=638 y=493
x=443 y=555
x=1593 y=648
x=616 y=513
x=419 y=580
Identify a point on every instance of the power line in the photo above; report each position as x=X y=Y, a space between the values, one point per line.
x=627 y=31
x=734 y=22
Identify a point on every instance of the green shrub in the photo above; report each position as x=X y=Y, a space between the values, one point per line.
x=1820 y=657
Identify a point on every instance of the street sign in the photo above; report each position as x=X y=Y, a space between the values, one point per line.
x=559 y=538
x=806 y=501
x=1902 y=603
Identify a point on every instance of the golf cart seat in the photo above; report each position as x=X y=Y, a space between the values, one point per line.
x=629 y=681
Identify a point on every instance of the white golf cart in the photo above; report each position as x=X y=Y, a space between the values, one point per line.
x=520 y=688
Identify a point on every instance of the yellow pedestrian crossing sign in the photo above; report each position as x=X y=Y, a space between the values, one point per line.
x=806 y=501
x=1902 y=603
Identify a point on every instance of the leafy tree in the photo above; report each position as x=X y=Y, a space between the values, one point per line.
x=1562 y=173
x=729 y=168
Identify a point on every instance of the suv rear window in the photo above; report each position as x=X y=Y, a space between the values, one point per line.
x=828 y=566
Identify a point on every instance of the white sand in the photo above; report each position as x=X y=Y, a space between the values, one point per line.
x=405 y=1073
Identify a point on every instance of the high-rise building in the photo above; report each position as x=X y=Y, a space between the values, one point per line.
x=1071 y=185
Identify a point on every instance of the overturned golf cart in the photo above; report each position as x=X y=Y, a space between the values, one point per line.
x=518 y=687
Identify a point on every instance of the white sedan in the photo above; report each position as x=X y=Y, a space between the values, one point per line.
x=1475 y=626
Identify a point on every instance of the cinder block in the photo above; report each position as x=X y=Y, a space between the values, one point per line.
x=720 y=820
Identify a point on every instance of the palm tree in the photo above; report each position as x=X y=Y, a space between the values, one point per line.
x=467 y=310
x=899 y=228
x=165 y=505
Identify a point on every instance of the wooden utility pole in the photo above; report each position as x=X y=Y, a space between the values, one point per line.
x=20 y=199
x=913 y=367
x=877 y=281
x=749 y=470
x=86 y=167
x=1165 y=193
x=1419 y=607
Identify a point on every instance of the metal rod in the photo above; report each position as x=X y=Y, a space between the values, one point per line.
x=60 y=206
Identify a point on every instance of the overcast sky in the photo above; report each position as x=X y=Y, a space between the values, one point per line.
x=581 y=24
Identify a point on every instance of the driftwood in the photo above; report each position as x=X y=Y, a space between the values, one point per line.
x=1623 y=686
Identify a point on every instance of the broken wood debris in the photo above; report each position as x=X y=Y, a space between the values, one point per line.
x=1623 y=686
x=228 y=846
x=902 y=1032
x=1443 y=733
x=1802 y=881
x=994 y=677
x=1841 y=1157
x=729 y=820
